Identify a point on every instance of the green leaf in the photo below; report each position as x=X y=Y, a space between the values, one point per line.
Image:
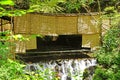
x=60 y=0
x=7 y=2
x=2 y=9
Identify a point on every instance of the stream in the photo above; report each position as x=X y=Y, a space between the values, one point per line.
x=66 y=69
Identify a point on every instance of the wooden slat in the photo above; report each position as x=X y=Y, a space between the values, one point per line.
x=66 y=25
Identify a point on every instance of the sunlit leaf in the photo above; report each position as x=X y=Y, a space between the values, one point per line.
x=2 y=9
x=6 y=2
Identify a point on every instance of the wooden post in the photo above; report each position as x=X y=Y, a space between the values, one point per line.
x=100 y=22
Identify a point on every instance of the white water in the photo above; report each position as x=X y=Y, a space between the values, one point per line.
x=67 y=69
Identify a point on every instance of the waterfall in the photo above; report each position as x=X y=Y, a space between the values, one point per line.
x=66 y=69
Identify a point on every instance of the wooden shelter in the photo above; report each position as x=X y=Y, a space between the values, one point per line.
x=54 y=25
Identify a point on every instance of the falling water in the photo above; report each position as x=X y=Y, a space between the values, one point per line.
x=67 y=69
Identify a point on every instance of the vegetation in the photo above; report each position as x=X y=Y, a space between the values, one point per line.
x=71 y=6
x=65 y=6
x=46 y=6
x=108 y=56
x=12 y=69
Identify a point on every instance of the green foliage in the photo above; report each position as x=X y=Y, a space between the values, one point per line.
x=111 y=40
x=4 y=50
x=21 y=4
x=58 y=6
x=9 y=69
x=104 y=74
x=7 y=42
x=109 y=54
x=45 y=74
x=74 y=6
x=14 y=70
x=46 y=6
x=7 y=2
x=4 y=45
x=6 y=9
x=109 y=10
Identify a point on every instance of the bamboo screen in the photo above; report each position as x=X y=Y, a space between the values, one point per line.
x=66 y=25
x=61 y=25
x=88 y=24
x=5 y=25
x=105 y=26
x=90 y=30
x=91 y=40
x=45 y=25
x=22 y=24
x=34 y=23
x=22 y=46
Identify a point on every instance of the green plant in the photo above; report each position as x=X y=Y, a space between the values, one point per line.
x=46 y=6
x=12 y=69
x=109 y=54
x=74 y=6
